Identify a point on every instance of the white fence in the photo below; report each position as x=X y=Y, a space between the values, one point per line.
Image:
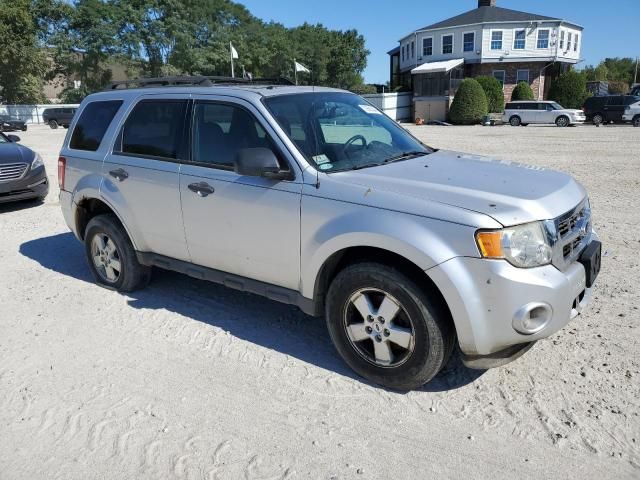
x=30 y=113
x=396 y=105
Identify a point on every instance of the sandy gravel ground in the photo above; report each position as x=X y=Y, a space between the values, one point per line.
x=191 y=380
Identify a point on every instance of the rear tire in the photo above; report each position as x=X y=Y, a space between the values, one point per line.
x=53 y=124
x=111 y=256
x=515 y=121
x=563 y=121
x=636 y=121
x=403 y=351
x=598 y=119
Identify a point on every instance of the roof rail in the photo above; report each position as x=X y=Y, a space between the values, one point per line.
x=195 y=81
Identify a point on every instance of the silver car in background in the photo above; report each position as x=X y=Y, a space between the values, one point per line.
x=523 y=113
x=313 y=197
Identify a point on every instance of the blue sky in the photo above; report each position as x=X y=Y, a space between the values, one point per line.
x=611 y=27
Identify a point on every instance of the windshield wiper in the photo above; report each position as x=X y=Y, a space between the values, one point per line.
x=405 y=156
x=367 y=165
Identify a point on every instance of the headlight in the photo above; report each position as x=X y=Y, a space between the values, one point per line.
x=523 y=246
x=37 y=162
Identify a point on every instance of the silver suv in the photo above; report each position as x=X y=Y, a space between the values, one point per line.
x=313 y=197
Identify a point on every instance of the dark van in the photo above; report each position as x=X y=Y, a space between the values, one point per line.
x=607 y=109
x=59 y=117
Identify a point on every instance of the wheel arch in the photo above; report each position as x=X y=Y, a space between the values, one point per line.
x=89 y=207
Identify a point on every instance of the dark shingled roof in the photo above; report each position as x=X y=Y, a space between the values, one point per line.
x=488 y=15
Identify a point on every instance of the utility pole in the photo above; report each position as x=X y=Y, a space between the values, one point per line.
x=635 y=76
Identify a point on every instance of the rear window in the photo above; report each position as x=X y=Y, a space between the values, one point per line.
x=92 y=125
x=155 y=129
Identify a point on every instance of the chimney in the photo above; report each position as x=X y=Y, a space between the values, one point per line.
x=486 y=3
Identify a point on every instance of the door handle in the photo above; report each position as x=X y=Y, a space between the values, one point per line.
x=119 y=174
x=203 y=189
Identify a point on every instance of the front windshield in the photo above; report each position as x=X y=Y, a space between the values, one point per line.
x=341 y=131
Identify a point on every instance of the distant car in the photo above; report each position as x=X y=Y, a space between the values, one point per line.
x=9 y=125
x=58 y=117
x=22 y=172
x=632 y=114
x=607 y=109
x=547 y=112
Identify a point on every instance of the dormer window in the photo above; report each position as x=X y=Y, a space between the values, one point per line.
x=496 y=40
x=543 y=38
x=447 y=44
x=519 y=39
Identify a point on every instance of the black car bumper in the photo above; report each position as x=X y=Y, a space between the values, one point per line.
x=33 y=185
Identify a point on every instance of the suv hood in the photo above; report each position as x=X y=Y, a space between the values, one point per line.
x=511 y=193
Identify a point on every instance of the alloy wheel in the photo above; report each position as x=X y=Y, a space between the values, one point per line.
x=379 y=328
x=106 y=258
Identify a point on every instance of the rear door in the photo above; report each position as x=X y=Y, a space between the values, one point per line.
x=141 y=173
x=615 y=108
x=247 y=226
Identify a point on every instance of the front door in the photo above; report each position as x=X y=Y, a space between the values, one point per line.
x=247 y=226
x=141 y=175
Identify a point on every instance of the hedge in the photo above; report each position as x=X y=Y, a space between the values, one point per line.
x=493 y=90
x=569 y=90
x=522 y=92
x=470 y=104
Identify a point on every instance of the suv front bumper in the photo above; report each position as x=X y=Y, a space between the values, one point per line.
x=486 y=298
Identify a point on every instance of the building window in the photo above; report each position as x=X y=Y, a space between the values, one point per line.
x=522 y=76
x=469 y=40
x=496 y=40
x=519 y=39
x=413 y=49
x=575 y=45
x=447 y=44
x=561 y=39
x=427 y=47
x=569 y=41
x=500 y=76
x=402 y=52
x=543 y=38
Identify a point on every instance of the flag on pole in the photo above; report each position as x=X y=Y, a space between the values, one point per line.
x=301 y=68
x=234 y=52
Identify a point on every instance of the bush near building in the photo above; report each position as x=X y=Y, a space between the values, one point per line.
x=569 y=90
x=493 y=90
x=470 y=104
x=522 y=92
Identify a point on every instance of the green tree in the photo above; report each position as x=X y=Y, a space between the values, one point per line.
x=493 y=90
x=522 y=92
x=23 y=64
x=618 y=87
x=470 y=103
x=569 y=90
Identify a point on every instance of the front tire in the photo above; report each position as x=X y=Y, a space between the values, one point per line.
x=515 y=121
x=111 y=256
x=387 y=328
x=563 y=121
x=597 y=119
x=636 y=121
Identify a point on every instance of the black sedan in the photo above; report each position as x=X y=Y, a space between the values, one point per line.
x=22 y=173
x=9 y=125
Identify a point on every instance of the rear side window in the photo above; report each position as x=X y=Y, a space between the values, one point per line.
x=92 y=125
x=155 y=129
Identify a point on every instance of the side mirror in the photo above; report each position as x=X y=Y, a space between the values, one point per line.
x=259 y=162
x=13 y=138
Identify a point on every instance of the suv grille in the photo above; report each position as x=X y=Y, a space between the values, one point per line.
x=573 y=234
x=12 y=171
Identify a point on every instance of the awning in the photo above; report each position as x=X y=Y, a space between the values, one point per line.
x=438 y=67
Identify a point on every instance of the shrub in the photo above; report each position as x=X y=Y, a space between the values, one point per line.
x=522 y=92
x=618 y=88
x=73 y=95
x=469 y=105
x=364 y=89
x=493 y=90
x=569 y=90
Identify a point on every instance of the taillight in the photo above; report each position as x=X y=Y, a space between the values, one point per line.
x=62 y=164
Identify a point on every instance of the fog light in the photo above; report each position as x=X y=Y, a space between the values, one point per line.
x=532 y=318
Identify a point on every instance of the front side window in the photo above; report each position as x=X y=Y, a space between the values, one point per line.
x=543 y=38
x=92 y=125
x=520 y=40
x=500 y=76
x=447 y=44
x=522 y=76
x=341 y=131
x=221 y=130
x=155 y=128
x=469 y=42
x=496 y=40
x=427 y=47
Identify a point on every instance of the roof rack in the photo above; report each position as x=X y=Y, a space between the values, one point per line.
x=195 y=81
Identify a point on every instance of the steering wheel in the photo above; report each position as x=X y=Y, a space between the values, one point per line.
x=351 y=141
